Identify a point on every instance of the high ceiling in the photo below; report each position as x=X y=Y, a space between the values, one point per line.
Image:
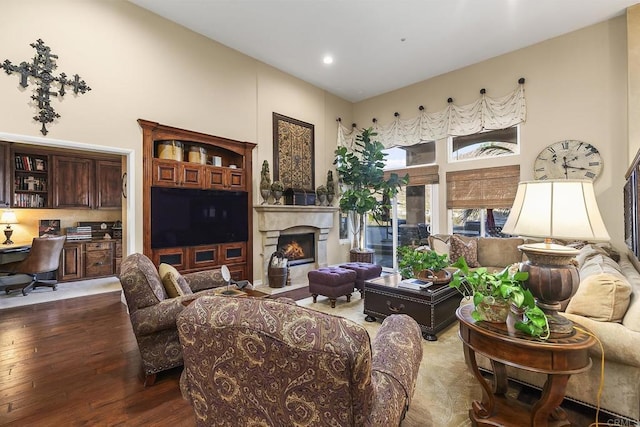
x=380 y=45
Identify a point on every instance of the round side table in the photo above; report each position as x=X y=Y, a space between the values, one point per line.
x=504 y=345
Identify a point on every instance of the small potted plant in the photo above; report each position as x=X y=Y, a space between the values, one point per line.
x=424 y=264
x=277 y=189
x=494 y=293
x=321 y=192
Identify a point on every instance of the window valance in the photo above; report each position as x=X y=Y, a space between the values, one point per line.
x=488 y=188
x=486 y=113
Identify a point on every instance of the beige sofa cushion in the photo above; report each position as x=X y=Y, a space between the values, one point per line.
x=603 y=297
x=173 y=282
x=497 y=252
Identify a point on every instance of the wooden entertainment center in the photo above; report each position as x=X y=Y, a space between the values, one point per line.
x=226 y=166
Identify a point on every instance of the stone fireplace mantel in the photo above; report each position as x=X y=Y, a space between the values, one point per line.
x=274 y=220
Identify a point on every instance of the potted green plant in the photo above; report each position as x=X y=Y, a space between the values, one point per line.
x=494 y=293
x=361 y=170
x=413 y=262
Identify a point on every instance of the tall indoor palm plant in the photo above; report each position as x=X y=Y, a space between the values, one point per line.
x=361 y=170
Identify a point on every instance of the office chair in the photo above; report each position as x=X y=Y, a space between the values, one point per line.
x=43 y=259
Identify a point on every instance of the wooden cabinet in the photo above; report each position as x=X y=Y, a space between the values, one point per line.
x=73 y=183
x=71 y=262
x=42 y=178
x=219 y=178
x=220 y=164
x=108 y=184
x=171 y=173
x=89 y=260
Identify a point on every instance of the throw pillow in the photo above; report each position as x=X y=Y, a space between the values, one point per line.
x=173 y=282
x=440 y=244
x=468 y=250
x=603 y=297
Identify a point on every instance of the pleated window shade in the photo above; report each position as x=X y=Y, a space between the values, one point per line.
x=422 y=175
x=489 y=188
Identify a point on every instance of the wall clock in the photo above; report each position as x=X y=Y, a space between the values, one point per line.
x=568 y=159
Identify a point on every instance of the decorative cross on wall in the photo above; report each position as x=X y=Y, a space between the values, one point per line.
x=42 y=71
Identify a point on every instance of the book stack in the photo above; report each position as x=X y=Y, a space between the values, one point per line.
x=79 y=233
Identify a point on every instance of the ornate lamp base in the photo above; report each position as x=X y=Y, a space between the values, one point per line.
x=7 y=233
x=552 y=279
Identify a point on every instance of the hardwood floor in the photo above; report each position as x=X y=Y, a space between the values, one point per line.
x=76 y=362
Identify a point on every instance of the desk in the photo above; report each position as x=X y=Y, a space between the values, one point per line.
x=503 y=345
x=14 y=252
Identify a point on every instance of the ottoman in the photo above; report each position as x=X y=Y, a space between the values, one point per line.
x=331 y=282
x=364 y=271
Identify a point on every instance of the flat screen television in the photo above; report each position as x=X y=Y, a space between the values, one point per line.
x=192 y=217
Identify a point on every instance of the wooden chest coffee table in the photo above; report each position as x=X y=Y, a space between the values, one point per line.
x=433 y=308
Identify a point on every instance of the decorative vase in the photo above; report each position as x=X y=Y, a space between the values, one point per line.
x=329 y=199
x=322 y=198
x=277 y=195
x=493 y=310
x=265 y=193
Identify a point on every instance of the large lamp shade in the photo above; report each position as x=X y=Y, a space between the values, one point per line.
x=554 y=209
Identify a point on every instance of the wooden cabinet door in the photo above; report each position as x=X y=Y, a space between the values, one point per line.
x=71 y=265
x=191 y=175
x=98 y=259
x=235 y=179
x=109 y=184
x=73 y=182
x=218 y=178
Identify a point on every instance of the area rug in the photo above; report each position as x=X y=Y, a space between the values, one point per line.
x=65 y=290
x=444 y=388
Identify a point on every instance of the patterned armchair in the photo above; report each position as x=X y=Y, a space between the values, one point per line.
x=251 y=361
x=153 y=314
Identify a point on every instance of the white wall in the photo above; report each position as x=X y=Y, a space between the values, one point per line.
x=576 y=88
x=140 y=65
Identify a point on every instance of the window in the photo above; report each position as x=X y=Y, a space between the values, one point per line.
x=479 y=200
x=503 y=142
x=413 y=155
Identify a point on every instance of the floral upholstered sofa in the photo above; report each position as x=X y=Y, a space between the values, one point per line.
x=607 y=302
x=256 y=361
x=154 y=305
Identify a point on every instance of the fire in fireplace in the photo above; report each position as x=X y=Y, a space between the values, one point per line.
x=298 y=248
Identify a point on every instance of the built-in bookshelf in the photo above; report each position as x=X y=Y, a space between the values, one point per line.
x=31 y=181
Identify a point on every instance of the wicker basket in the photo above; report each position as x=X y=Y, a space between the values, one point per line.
x=437 y=277
x=361 y=256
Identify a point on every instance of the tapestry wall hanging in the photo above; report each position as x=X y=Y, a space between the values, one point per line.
x=40 y=71
x=293 y=153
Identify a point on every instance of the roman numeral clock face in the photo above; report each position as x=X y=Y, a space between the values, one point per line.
x=568 y=160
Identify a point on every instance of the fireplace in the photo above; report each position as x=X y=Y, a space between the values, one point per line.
x=289 y=222
x=298 y=248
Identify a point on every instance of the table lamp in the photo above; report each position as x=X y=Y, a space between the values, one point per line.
x=8 y=217
x=554 y=209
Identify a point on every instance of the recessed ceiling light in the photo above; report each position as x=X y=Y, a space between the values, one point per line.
x=328 y=59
